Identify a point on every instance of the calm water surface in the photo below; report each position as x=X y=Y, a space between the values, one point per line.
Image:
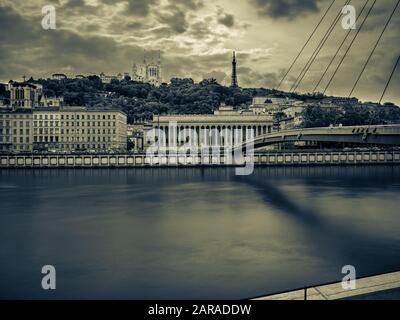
x=194 y=233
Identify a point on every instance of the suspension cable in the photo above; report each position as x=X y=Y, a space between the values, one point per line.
x=390 y=78
x=374 y=48
x=317 y=50
x=340 y=47
x=304 y=46
x=349 y=47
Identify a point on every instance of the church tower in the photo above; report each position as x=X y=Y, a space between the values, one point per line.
x=234 y=75
x=149 y=71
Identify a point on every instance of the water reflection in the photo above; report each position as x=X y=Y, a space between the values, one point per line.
x=194 y=233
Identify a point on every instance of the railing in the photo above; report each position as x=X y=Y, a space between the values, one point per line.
x=272 y=158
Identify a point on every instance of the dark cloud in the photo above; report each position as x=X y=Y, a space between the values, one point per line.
x=285 y=8
x=98 y=36
x=227 y=20
x=140 y=7
x=175 y=14
x=199 y=30
x=13 y=27
x=118 y=27
x=250 y=78
x=196 y=66
x=76 y=7
x=75 y=3
x=175 y=18
x=28 y=49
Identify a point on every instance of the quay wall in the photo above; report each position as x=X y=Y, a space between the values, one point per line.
x=288 y=158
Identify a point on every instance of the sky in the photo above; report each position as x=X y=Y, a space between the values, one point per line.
x=196 y=39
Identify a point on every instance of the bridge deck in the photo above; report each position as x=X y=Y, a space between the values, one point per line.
x=376 y=135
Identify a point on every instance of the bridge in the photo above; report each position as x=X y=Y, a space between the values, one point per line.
x=388 y=135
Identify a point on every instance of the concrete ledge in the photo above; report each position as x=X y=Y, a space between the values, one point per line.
x=365 y=287
x=286 y=158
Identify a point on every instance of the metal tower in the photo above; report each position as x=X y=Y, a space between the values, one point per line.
x=234 y=75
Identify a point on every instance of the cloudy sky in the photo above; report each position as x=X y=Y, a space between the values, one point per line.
x=196 y=39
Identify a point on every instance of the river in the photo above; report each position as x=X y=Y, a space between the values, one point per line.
x=194 y=233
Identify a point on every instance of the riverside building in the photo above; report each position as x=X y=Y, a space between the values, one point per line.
x=209 y=128
x=63 y=129
x=79 y=128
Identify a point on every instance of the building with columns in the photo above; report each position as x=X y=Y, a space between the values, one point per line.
x=213 y=126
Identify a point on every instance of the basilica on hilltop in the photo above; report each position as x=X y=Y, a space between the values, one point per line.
x=149 y=71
